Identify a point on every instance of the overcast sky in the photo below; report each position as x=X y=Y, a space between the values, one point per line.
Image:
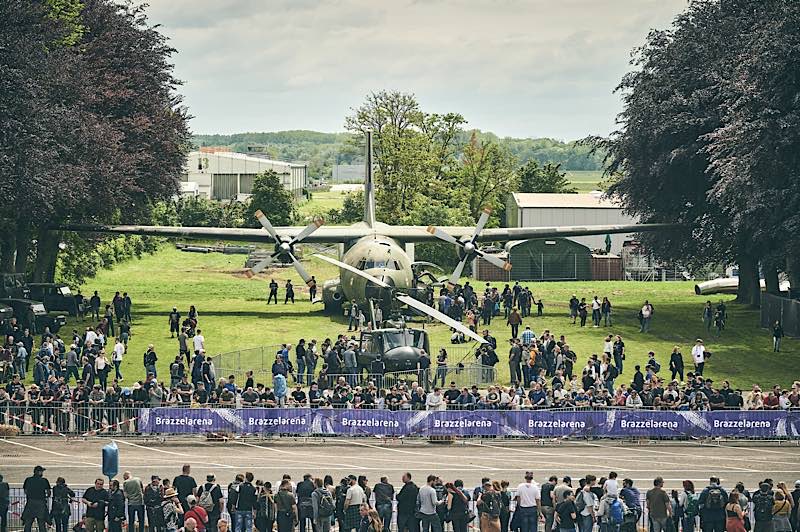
x=518 y=68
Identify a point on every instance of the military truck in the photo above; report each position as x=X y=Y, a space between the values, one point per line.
x=33 y=315
x=55 y=296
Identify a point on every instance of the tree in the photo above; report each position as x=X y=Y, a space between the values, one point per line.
x=487 y=174
x=271 y=197
x=352 y=210
x=548 y=179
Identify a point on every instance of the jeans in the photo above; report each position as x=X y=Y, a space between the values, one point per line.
x=114 y=525
x=407 y=522
x=310 y=369
x=645 y=325
x=607 y=321
x=549 y=516
x=585 y=523
x=151 y=368
x=117 y=364
x=244 y=521
x=431 y=523
x=776 y=344
x=35 y=510
x=528 y=519
x=698 y=368
x=514 y=330
x=596 y=318
x=385 y=513
x=135 y=510
x=301 y=370
x=19 y=367
x=441 y=374
x=687 y=524
x=659 y=524
x=306 y=514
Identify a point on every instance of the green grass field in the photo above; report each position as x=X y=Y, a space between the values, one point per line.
x=233 y=315
x=585 y=181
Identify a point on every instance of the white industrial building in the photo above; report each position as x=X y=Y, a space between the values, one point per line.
x=560 y=210
x=225 y=175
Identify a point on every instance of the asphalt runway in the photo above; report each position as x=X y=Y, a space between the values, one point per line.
x=80 y=461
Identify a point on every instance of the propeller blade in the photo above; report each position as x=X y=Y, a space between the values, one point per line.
x=494 y=259
x=310 y=228
x=481 y=222
x=456 y=275
x=299 y=267
x=356 y=271
x=268 y=226
x=258 y=267
x=441 y=235
x=433 y=313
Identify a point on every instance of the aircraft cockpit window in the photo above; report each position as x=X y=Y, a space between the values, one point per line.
x=368 y=264
x=403 y=338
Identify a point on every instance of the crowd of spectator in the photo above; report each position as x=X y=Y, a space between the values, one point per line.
x=607 y=504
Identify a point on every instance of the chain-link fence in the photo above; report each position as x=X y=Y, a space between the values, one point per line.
x=787 y=311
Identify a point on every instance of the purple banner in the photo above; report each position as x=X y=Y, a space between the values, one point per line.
x=469 y=423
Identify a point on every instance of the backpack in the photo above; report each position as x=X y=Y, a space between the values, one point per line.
x=613 y=372
x=691 y=504
x=326 y=504
x=492 y=505
x=580 y=502
x=206 y=501
x=714 y=499
x=159 y=520
x=762 y=507
x=615 y=514
x=655 y=365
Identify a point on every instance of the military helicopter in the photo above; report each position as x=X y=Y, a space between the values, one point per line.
x=376 y=266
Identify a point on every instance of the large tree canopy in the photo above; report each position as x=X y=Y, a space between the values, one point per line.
x=93 y=128
x=707 y=136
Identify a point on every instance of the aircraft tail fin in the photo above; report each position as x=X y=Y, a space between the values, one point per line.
x=369 y=187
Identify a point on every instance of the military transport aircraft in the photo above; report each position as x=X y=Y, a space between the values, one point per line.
x=376 y=267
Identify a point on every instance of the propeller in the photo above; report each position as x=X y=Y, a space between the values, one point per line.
x=284 y=247
x=468 y=248
x=408 y=300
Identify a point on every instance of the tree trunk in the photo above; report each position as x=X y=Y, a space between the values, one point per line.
x=44 y=270
x=771 y=278
x=7 y=248
x=793 y=269
x=749 y=291
x=23 y=249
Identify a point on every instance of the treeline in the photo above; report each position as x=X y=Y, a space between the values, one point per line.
x=323 y=150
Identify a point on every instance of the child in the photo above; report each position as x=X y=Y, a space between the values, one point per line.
x=539 y=307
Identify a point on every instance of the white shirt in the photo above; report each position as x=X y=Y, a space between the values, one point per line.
x=119 y=350
x=611 y=486
x=595 y=304
x=608 y=347
x=528 y=494
x=646 y=311
x=356 y=495
x=435 y=402
x=91 y=336
x=699 y=354
x=199 y=342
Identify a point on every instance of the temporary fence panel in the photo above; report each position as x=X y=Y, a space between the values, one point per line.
x=787 y=311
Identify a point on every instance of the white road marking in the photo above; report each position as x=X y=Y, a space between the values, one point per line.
x=193 y=457
x=48 y=451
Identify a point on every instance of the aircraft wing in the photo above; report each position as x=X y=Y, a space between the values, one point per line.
x=325 y=234
x=344 y=234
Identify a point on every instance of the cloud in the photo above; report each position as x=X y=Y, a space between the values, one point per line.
x=520 y=68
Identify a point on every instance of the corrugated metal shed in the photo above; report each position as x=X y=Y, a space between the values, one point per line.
x=551 y=259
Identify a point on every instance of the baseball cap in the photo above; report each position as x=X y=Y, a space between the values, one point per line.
x=797 y=483
x=210 y=478
x=155 y=477
x=39 y=468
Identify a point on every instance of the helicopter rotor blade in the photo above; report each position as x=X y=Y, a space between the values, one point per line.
x=433 y=313
x=356 y=271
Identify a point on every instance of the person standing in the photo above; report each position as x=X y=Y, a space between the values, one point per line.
x=63 y=496
x=199 y=342
x=116 y=507
x=676 y=363
x=585 y=502
x=384 y=498
x=406 y=503
x=174 y=322
x=312 y=289
x=246 y=504
x=354 y=498
x=323 y=506
x=289 y=292
x=489 y=506
x=566 y=513
x=94 y=303
x=712 y=507
x=427 y=502
x=708 y=316
x=285 y=507
x=273 y=292
x=528 y=499
x=209 y=497
x=605 y=310
x=763 y=501
x=5 y=503
x=353 y=318
x=699 y=356
x=134 y=495
x=185 y=485
x=777 y=336
x=659 y=506
x=126 y=307
x=596 y=307
x=96 y=498
x=37 y=491
x=305 y=508
x=514 y=321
